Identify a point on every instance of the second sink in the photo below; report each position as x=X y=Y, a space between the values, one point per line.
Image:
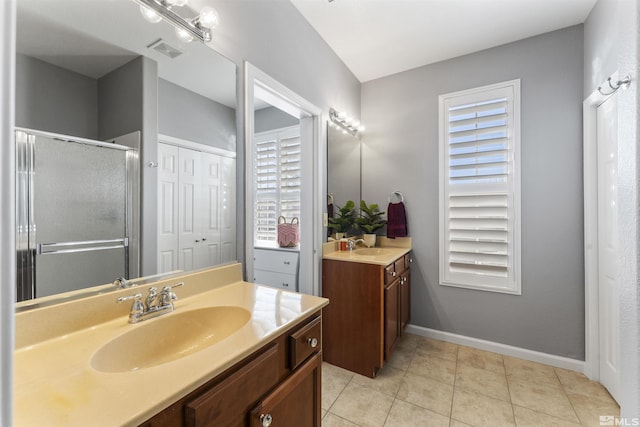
x=169 y=338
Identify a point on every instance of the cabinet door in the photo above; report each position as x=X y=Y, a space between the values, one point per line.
x=295 y=402
x=405 y=299
x=391 y=316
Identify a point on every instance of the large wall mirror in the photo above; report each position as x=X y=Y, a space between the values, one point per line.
x=73 y=57
x=343 y=167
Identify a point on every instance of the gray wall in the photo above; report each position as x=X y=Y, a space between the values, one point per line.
x=275 y=37
x=600 y=44
x=53 y=99
x=128 y=102
x=272 y=118
x=191 y=116
x=400 y=151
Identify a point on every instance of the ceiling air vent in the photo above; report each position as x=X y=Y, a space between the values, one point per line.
x=165 y=48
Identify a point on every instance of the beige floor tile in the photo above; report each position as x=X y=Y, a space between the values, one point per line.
x=334 y=380
x=335 y=421
x=442 y=349
x=401 y=357
x=548 y=400
x=591 y=407
x=387 y=380
x=537 y=373
x=529 y=418
x=481 y=359
x=404 y=414
x=408 y=341
x=323 y=413
x=580 y=384
x=426 y=393
x=456 y=423
x=481 y=411
x=428 y=365
x=482 y=381
x=362 y=405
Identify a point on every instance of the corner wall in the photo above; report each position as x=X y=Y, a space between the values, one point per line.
x=400 y=152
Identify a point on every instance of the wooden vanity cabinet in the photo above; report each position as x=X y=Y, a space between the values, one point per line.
x=370 y=307
x=282 y=380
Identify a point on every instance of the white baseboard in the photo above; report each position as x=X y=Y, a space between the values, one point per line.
x=507 y=350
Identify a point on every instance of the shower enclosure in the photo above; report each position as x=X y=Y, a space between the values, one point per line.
x=76 y=212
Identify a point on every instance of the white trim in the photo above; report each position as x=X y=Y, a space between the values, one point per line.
x=590 y=177
x=7 y=216
x=185 y=143
x=506 y=350
x=310 y=119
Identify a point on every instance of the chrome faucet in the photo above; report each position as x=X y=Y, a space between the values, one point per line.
x=155 y=304
x=353 y=243
x=122 y=283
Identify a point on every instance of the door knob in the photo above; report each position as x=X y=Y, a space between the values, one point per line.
x=266 y=419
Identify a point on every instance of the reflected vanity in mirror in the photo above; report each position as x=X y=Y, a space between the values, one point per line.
x=343 y=166
x=94 y=71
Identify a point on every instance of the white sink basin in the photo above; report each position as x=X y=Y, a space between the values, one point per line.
x=168 y=338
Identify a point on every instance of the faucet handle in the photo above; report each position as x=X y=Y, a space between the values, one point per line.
x=168 y=296
x=169 y=287
x=122 y=283
x=137 y=307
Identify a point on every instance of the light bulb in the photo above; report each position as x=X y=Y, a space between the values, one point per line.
x=361 y=129
x=209 y=17
x=183 y=35
x=150 y=14
x=178 y=3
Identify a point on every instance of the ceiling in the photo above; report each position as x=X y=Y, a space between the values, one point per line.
x=94 y=37
x=376 y=38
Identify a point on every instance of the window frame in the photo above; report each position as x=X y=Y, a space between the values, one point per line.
x=259 y=194
x=448 y=276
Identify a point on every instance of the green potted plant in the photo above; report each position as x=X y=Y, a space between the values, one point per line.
x=344 y=219
x=369 y=221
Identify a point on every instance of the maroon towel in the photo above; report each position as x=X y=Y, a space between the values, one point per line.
x=396 y=220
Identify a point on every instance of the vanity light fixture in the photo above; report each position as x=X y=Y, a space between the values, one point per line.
x=342 y=121
x=187 y=29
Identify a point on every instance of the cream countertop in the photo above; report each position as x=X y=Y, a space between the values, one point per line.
x=392 y=250
x=54 y=383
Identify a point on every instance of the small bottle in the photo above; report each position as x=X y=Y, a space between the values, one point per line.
x=344 y=244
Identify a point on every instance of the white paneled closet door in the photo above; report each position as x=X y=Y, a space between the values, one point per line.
x=207 y=212
x=167 y=208
x=196 y=203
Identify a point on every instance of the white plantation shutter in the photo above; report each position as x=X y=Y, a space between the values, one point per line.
x=479 y=188
x=277 y=178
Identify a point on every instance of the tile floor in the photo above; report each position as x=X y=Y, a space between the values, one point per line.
x=435 y=383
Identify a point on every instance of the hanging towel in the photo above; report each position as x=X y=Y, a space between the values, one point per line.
x=330 y=215
x=396 y=220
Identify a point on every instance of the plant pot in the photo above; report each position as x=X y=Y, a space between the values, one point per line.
x=369 y=240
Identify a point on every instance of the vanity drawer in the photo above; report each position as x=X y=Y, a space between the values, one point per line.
x=399 y=265
x=277 y=280
x=231 y=396
x=389 y=274
x=304 y=342
x=285 y=262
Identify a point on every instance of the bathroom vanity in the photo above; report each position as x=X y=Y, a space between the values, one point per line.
x=370 y=293
x=232 y=353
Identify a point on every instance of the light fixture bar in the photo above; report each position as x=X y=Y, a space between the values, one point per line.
x=162 y=8
x=341 y=120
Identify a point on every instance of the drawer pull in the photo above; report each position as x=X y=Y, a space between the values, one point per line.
x=266 y=419
x=393 y=274
x=286 y=285
x=313 y=342
x=287 y=262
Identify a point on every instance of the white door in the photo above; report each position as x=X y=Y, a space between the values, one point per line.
x=608 y=259
x=207 y=207
x=228 y=207
x=167 y=208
